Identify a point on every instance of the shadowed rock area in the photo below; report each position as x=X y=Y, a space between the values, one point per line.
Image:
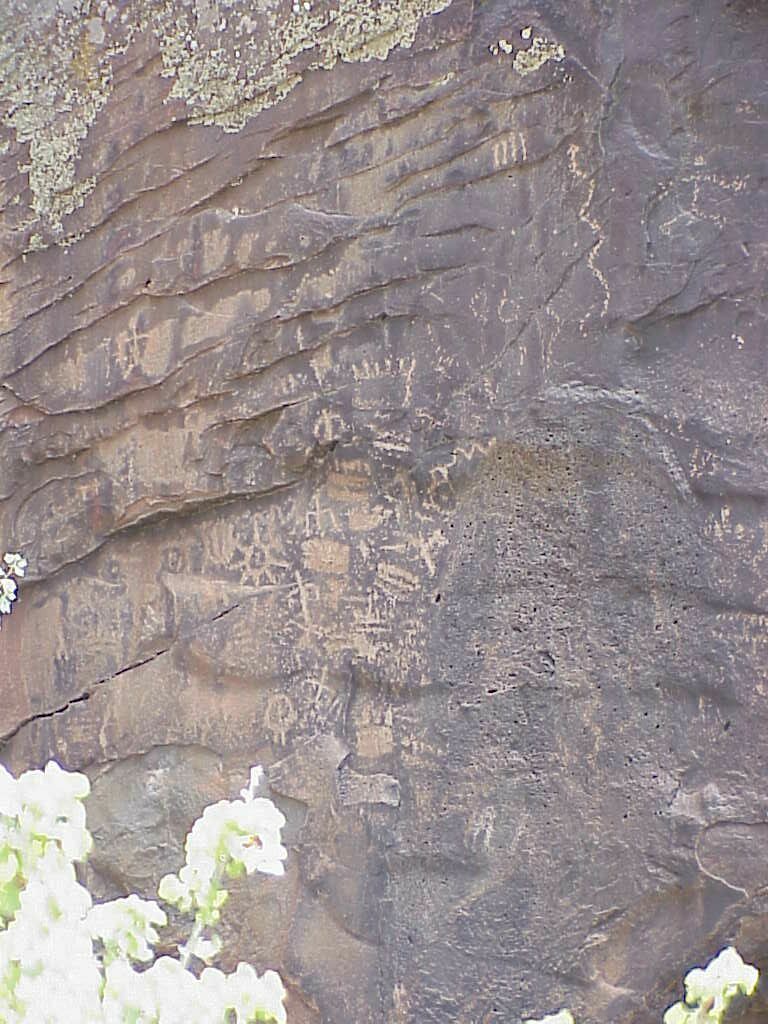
x=384 y=400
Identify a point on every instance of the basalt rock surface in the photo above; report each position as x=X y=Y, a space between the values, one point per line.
x=384 y=400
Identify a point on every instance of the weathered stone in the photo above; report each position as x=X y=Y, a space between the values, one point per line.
x=383 y=400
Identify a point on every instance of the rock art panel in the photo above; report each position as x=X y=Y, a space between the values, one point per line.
x=383 y=400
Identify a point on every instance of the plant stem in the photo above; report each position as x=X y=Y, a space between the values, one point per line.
x=198 y=927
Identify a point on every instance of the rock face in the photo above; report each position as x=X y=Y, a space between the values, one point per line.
x=384 y=400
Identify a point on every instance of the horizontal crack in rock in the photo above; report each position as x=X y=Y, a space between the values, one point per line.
x=87 y=694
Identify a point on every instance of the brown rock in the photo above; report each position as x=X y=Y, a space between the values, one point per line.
x=383 y=400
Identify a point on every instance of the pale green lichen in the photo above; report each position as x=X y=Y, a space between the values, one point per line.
x=529 y=59
x=35 y=242
x=229 y=59
x=230 y=65
x=540 y=51
x=52 y=85
x=502 y=46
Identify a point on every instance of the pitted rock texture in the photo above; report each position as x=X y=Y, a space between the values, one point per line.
x=383 y=400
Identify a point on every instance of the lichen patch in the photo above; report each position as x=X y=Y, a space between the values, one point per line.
x=227 y=67
x=54 y=80
x=530 y=58
x=538 y=53
x=227 y=61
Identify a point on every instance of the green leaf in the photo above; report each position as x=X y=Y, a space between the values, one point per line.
x=9 y=900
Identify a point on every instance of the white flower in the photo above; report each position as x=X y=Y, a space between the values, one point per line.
x=256 y=779
x=62 y=995
x=251 y=994
x=126 y=995
x=8 y=589
x=229 y=834
x=16 y=564
x=194 y=886
x=10 y=802
x=49 y=943
x=721 y=979
x=52 y=807
x=53 y=892
x=174 y=991
x=254 y=840
x=172 y=891
x=204 y=949
x=710 y=991
x=50 y=972
x=126 y=926
x=9 y=865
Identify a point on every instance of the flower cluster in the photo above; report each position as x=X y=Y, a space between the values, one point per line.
x=64 y=959
x=11 y=565
x=170 y=994
x=232 y=838
x=709 y=992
